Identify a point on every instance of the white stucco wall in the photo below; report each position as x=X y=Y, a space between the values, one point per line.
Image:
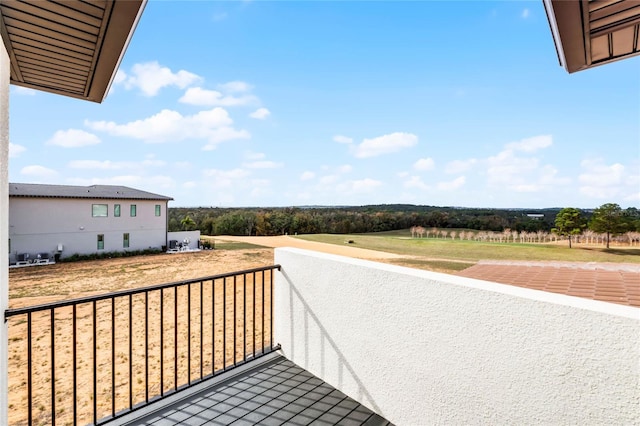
x=427 y=348
x=4 y=227
x=40 y=224
x=192 y=236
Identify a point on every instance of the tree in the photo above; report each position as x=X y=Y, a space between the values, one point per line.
x=608 y=219
x=188 y=224
x=569 y=222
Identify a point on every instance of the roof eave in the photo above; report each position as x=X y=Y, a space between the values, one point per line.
x=100 y=96
x=553 y=24
x=119 y=25
x=567 y=29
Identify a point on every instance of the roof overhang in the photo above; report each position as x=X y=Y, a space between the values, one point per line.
x=68 y=47
x=588 y=33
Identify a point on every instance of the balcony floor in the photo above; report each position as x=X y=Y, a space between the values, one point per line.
x=273 y=393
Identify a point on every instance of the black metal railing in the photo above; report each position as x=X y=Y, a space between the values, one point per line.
x=95 y=359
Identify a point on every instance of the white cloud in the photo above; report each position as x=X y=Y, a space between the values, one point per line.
x=451 y=185
x=459 y=166
x=217 y=178
x=307 y=176
x=342 y=139
x=73 y=138
x=525 y=13
x=250 y=155
x=633 y=197
x=235 y=87
x=260 y=187
x=213 y=125
x=600 y=180
x=260 y=114
x=329 y=179
x=224 y=134
x=190 y=184
x=358 y=186
x=424 y=164
x=203 y=97
x=114 y=165
x=345 y=168
x=150 y=77
x=385 y=144
x=416 y=182
x=139 y=181
x=37 y=171
x=531 y=144
x=515 y=169
x=15 y=150
x=506 y=169
x=263 y=165
x=25 y=91
x=120 y=77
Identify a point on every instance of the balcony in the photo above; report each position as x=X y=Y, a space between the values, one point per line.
x=342 y=341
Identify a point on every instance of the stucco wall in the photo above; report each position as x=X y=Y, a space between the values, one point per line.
x=427 y=348
x=40 y=224
x=4 y=224
x=192 y=236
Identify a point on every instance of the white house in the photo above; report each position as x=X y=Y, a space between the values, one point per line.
x=65 y=220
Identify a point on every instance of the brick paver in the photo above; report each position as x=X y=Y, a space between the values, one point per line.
x=615 y=283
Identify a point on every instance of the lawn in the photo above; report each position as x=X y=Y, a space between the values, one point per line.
x=434 y=249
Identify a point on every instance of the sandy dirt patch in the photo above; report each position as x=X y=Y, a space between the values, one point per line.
x=43 y=284
x=287 y=241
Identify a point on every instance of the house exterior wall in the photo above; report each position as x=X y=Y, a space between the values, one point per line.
x=4 y=226
x=40 y=224
x=425 y=348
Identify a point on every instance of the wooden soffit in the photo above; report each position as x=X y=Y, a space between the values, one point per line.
x=589 y=33
x=68 y=47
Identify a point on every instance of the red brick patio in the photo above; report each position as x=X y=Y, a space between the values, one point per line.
x=608 y=282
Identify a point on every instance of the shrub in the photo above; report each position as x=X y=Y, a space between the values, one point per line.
x=110 y=255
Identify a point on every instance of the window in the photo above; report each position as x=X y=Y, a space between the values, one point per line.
x=99 y=210
x=100 y=241
x=133 y=210
x=125 y=240
x=158 y=210
x=116 y=210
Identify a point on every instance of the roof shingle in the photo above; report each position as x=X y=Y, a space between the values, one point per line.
x=93 y=191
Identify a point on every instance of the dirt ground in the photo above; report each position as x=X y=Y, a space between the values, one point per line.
x=287 y=241
x=36 y=285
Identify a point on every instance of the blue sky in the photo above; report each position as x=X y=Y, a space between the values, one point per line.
x=344 y=103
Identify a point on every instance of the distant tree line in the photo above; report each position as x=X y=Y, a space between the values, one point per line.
x=346 y=220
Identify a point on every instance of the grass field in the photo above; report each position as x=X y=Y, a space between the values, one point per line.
x=468 y=252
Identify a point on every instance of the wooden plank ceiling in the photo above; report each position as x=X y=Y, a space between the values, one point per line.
x=588 y=33
x=68 y=47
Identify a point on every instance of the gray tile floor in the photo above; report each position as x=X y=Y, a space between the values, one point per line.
x=275 y=393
